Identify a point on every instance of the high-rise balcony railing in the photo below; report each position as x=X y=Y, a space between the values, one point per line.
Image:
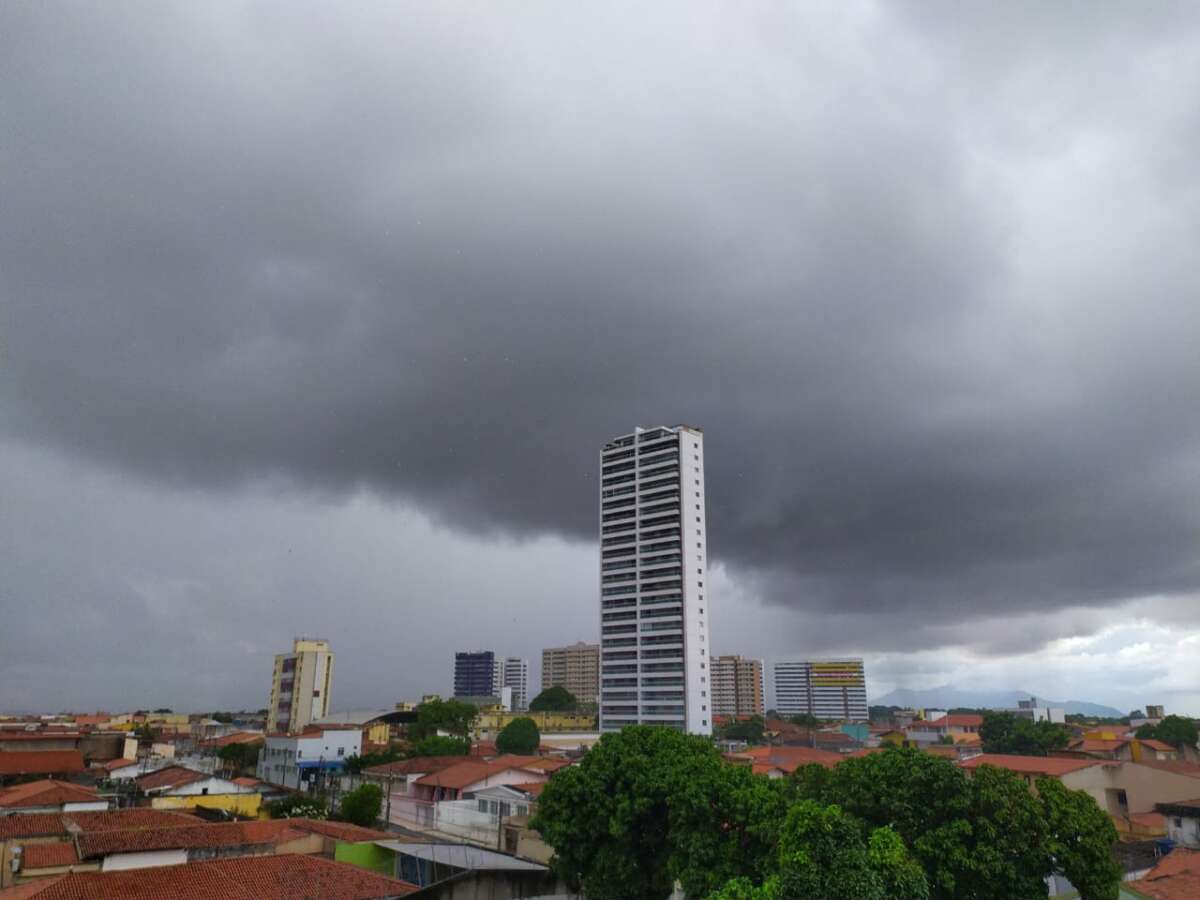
x=651 y=586
x=659 y=534
x=658 y=481
x=658 y=509
x=674 y=611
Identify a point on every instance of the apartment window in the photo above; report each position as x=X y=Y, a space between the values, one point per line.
x=299 y=754
x=704 y=693
x=704 y=721
x=701 y=583
x=704 y=708
x=341 y=751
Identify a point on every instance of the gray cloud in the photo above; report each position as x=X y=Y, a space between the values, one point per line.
x=923 y=274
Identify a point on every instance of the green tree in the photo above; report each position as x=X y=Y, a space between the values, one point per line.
x=440 y=745
x=355 y=763
x=299 y=806
x=362 y=805
x=521 y=736
x=1176 y=731
x=750 y=730
x=555 y=698
x=223 y=717
x=1080 y=840
x=1146 y=732
x=824 y=854
x=452 y=716
x=239 y=757
x=649 y=806
x=1005 y=732
x=978 y=836
x=805 y=720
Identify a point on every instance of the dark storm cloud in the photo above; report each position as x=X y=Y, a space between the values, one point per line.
x=924 y=275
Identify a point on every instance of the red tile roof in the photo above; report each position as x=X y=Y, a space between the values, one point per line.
x=1156 y=745
x=247 y=781
x=207 y=835
x=1176 y=877
x=42 y=735
x=533 y=788
x=113 y=764
x=287 y=877
x=169 y=777
x=238 y=737
x=29 y=825
x=788 y=759
x=1098 y=745
x=45 y=856
x=961 y=720
x=46 y=792
x=467 y=773
x=341 y=831
x=40 y=762
x=1032 y=765
x=418 y=765
x=1178 y=766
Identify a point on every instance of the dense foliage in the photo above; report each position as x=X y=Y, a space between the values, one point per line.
x=648 y=807
x=451 y=716
x=519 y=736
x=824 y=853
x=555 y=698
x=299 y=806
x=1173 y=730
x=750 y=730
x=356 y=763
x=805 y=720
x=362 y=805
x=983 y=836
x=240 y=757
x=1005 y=732
x=441 y=745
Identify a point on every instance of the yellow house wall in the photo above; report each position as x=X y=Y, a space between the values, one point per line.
x=493 y=721
x=243 y=804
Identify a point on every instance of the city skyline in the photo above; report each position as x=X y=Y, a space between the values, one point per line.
x=324 y=339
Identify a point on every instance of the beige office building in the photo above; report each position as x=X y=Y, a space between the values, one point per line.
x=577 y=668
x=300 y=686
x=737 y=686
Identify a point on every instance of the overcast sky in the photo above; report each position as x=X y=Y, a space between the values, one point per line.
x=315 y=316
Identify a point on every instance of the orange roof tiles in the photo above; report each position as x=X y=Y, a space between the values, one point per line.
x=285 y=877
x=41 y=735
x=1178 y=766
x=788 y=759
x=467 y=773
x=533 y=788
x=418 y=765
x=113 y=764
x=45 y=856
x=169 y=777
x=206 y=835
x=1032 y=765
x=1156 y=744
x=46 y=792
x=341 y=831
x=962 y=720
x=1176 y=877
x=40 y=762
x=30 y=825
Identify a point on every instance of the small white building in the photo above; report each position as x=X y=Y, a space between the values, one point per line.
x=301 y=760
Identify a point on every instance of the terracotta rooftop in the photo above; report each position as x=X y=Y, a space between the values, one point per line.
x=286 y=877
x=1032 y=765
x=169 y=777
x=418 y=765
x=114 y=764
x=44 y=856
x=341 y=831
x=52 y=824
x=238 y=737
x=787 y=759
x=207 y=835
x=959 y=720
x=467 y=773
x=40 y=762
x=1156 y=745
x=533 y=788
x=1176 y=877
x=41 y=735
x=46 y=792
x=1178 y=766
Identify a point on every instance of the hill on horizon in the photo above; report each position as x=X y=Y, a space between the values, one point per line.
x=948 y=697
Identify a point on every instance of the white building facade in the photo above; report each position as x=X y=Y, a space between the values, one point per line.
x=654 y=646
x=298 y=760
x=834 y=689
x=512 y=672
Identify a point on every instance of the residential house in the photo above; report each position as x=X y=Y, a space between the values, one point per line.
x=453 y=870
x=1182 y=822
x=178 y=787
x=17 y=764
x=49 y=796
x=288 y=877
x=778 y=762
x=303 y=761
x=1128 y=791
x=1176 y=877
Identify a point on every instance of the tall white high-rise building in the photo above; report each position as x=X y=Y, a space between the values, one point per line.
x=826 y=688
x=512 y=672
x=653 y=556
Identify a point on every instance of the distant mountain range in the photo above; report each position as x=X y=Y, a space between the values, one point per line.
x=948 y=697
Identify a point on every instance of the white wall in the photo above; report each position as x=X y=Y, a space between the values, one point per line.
x=117 y=862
